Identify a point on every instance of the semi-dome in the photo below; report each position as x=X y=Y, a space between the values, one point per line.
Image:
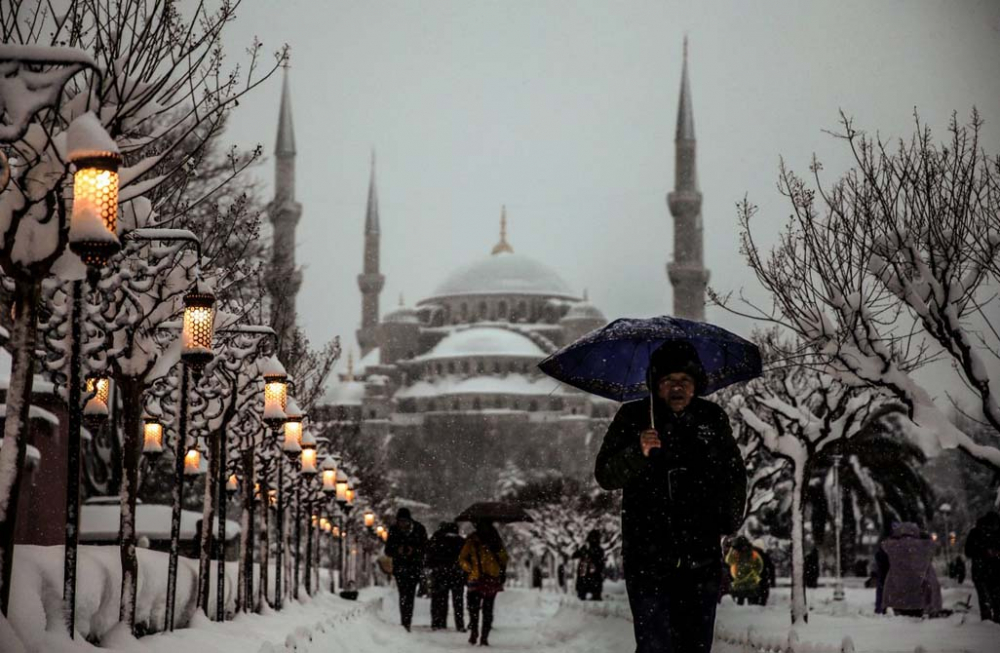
x=402 y=315
x=483 y=341
x=584 y=311
x=504 y=273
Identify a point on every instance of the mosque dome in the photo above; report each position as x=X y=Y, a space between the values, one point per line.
x=402 y=315
x=504 y=273
x=584 y=311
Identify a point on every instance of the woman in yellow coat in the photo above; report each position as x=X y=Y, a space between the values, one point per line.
x=484 y=560
x=745 y=566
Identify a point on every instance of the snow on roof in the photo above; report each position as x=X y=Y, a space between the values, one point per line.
x=483 y=341
x=512 y=384
x=344 y=393
x=100 y=522
x=368 y=360
x=584 y=311
x=504 y=273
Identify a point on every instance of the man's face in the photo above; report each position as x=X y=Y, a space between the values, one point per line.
x=677 y=389
x=404 y=525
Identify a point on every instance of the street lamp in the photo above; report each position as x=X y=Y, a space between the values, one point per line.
x=275 y=392
x=192 y=461
x=199 y=327
x=292 y=443
x=95 y=412
x=309 y=454
x=329 y=468
x=369 y=518
x=93 y=227
x=152 y=436
x=838 y=523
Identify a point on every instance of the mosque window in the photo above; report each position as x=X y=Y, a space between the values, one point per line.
x=463 y=311
x=573 y=411
x=371 y=414
x=447 y=312
x=451 y=367
x=502 y=310
x=465 y=367
x=512 y=367
x=496 y=367
x=498 y=402
x=455 y=405
x=439 y=369
x=522 y=311
x=483 y=310
x=431 y=406
x=477 y=404
x=516 y=405
x=524 y=368
x=555 y=404
x=533 y=406
x=480 y=367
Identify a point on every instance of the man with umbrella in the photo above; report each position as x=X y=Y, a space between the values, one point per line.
x=684 y=485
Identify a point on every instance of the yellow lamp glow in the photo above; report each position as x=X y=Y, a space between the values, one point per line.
x=369 y=519
x=95 y=412
x=192 y=461
x=199 y=327
x=293 y=438
x=342 y=490
x=309 y=461
x=349 y=496
x=379 y=530
x=93 y=232
x=272 y=497
x=152 y=436
x=324 y=523
x=233 y=484
x=315 y=520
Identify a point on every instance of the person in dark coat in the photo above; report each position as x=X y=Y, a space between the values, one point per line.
x=911 y=585
x=405 y=545
x=768 y=578
x=810 y=575
x=982 y=548
x=446 y=576
x=590 y=569
x=958 y=570
x=684 y=487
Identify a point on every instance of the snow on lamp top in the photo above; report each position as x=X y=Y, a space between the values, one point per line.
x=93 y=230
x=329 y=467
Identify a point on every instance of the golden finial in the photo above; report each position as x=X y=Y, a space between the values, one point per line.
x=503 y=245
x=350 y=364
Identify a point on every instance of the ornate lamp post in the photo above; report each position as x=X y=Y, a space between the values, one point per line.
x=945 y=510
x=306 y=473
x=93 y=229
x=152 y=436
x=838 y=524
x=275 y=403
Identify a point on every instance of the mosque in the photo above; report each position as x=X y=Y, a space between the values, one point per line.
x=448 y=389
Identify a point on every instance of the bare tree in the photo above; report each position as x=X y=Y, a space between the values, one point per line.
x=795 y=413
x=890 y=268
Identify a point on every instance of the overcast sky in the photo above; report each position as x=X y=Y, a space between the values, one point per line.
x=565 y=112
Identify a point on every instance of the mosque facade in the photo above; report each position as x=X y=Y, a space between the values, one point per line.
x=448 y=389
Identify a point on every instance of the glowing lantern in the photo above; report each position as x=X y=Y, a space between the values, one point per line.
x=315 y=520
x=93 y=227
x=336 y=531
x=199 y=326
x=349 y=496
x=192 y=461
x=309 y=454
x=275 y=393
x=324 y=523
x=369 y=519
x=329 y=475
x=95 y=413
x=380 y=530
x=152 y=436
x=341 y=487
x=232 y=485
x=292 y=444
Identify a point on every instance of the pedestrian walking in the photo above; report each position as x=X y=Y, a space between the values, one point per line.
x=768 y=577
x=484 y=560
x=911 y=586
x=447 y=577
x=684 y=486
x=590 y=568
x=405 y=545
x=982 y=548
x=746 y=567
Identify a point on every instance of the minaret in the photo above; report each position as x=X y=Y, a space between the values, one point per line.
x=502 y=245
x=284 y=213
x=370 y=281
x=686 y=272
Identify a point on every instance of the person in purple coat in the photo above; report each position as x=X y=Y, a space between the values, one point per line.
x=911 y=586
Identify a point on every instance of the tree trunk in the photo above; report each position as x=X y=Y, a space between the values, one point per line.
x=14 y=453
x=309 y=552
x=207 y=517
x=799 y=613
x=176 y=500
x=72 y=531
x=248 y=524
x=131 y=392
x=220 y=540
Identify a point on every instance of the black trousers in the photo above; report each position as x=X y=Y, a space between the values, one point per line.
x=674 y=613
x=407 y=586
x=486 y=601
x=989 y=597
x=439 y=604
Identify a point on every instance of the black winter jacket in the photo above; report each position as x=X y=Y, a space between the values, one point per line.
x=678 y=502
x=407 y=550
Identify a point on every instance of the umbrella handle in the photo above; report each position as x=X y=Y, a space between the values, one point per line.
x=652 y=420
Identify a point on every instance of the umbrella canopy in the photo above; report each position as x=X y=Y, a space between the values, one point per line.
x=494 y=511
x=612 y=361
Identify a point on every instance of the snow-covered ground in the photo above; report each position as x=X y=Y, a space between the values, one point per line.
x=526 y=620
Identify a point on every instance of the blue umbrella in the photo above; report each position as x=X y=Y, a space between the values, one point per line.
x=611 y=361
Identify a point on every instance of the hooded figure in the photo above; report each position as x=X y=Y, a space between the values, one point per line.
x=911 y=584
x=590 y=569
x=982 y=547
x=746 y=567
x=405 y=545
x=684 y=486
x=446 y=575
